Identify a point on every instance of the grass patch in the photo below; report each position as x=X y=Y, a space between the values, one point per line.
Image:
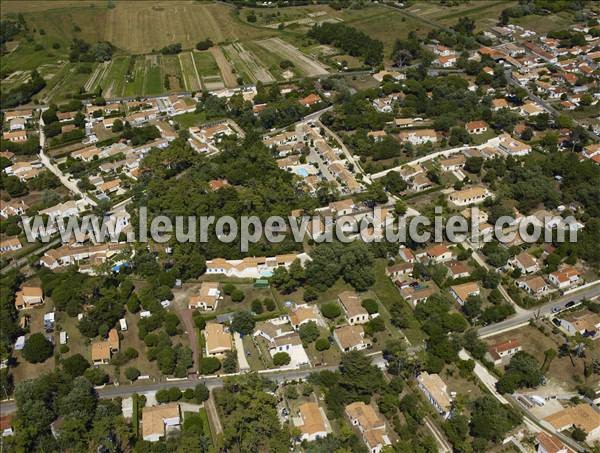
x=186 y=120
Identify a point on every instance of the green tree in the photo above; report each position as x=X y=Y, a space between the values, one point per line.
x=37 y=348
x=281 y=358
x=309 y=332
x=243 y=322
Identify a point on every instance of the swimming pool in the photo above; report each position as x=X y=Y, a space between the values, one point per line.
x=300 y=171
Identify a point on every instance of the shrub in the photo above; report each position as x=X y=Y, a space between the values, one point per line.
x=322 y=344
x=270 y=304
x=201 y=393
x=257 y=306
x=132 y=373
x=370 y=305
x=228 y=288
x=37 y=348
x=281 y=358
x=209 y=365
x=237 y=295
x=331 y=310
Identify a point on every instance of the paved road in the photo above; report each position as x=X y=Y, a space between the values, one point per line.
x=523 y=318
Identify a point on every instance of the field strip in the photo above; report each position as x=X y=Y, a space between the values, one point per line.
x=254 y=65
x=191 y=78
x=97 y=76
x=198 y=78
x=183 y=73
x=226 y=73
x=307 y=65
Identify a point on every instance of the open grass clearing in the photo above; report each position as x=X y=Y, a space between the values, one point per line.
x=113 y=83
x=135 y=79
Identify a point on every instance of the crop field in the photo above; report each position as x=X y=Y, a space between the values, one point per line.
x=97 y=76
x=191 y=78
x=229 y=78
x=113 y=83
x=247 y=64
x=304 y=64
x=135 y=77
x=208 y=69
x=67 y=81
x=172 y=77
x=153 y=77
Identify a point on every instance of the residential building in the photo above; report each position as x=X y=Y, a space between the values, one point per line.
x=29 y=297
x=526 y=263
x=582 y=415
x=370 y=424
x=499 y=351
x=158 y=421
x=207 y=298
x=218 y=340
x=586 y=324
x=549 y=443
x=399 y=270
x=436 y=392
x=513 y=147
x=536 y=286
x=351 y=338
x=471 y=195
x=17 y=124
x=12 y=208
x=531 y=109
x=462 y=292
x=342 y=207
x=114 y=342
x=419 y=136
x=270 y=330
x=565 y=278
x=354 y=311
x=453 y=163
x=101 y=352
x=438 y=253
x=498 y=104
x=10 y=244
x=458 y=269
x=312 y=422
x=17 y=136
x=417 y=294
x=250 y=267
x=291 y=344
x=302 y=314
x=310 y=100
x=476 y=127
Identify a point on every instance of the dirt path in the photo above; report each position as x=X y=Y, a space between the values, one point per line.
x=225 y=67
x=213 y=416
x=185 y=314
x=200 y=84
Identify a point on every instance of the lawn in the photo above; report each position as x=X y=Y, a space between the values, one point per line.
x=189 y=119
x=544 y=24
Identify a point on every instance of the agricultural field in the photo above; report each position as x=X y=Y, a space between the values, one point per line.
x=153 y=76
x=113 y=83
x=70 y=79
x=191 y=78
x=208 y=70
x=135 y=77
x=286 y=51
x=246 y=64
x=229 y=78
x=172 y=77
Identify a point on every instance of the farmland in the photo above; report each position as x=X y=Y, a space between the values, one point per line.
x=247 y=64
x=225 y=67
x=286 y=51
x=208 y=69
x=190 y=74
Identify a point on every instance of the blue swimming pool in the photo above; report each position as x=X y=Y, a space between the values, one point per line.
x=301 y=172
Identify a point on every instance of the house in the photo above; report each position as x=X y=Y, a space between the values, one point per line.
x=581 y=415
x=61 y=210
x=536 y=286
x=270 y=330
x=476 y=127
x=586 y=324
x=250 y=267
x=453 y=163
x=17 y=124
x=342 y=207
x=377 y=135
x=498 y=104
x=86 y=154
x=419 y=136
x=399 y=270
x=15 y=136
x=10 y=244
x=302 y=314
x=12 y=208
x=6 y=428
x=351 y=338
x=407 y=255
x=513 y=147
x=458 y=269
x=309 y=100
x=447 y=61
x=531 y=109
x=157 y=421
x=499 y=351
x=312 y=422
x=291 y=344
x=29 y=297
x=420 y=183
x=591 y=151
x=549 y=443
x=526 y=263
x=438 y=253
x=101 y=352
x=436 y=392
x=417 y=294
x=470 y=195
x=370 y=424
x=218 y=340
x=462 y=292
x=354 y=311
x=207 y=298
x=565 y=278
